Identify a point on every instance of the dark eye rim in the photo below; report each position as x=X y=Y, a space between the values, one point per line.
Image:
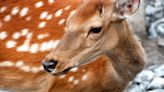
x=95 y=30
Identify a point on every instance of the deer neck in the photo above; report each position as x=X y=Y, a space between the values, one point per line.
x=128 y=57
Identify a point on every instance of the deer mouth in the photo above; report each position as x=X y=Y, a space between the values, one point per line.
x=62 y=72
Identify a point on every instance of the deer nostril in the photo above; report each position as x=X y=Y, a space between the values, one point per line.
x=50 y=65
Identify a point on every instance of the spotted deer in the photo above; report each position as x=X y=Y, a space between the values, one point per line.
x=92 y=51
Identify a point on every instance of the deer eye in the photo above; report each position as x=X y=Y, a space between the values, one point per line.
x=95 y=30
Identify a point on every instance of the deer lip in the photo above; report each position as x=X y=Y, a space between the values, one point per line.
x=63 y=72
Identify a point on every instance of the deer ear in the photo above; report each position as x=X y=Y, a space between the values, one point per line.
x=124 y=8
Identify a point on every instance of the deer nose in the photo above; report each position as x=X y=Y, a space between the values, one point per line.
x=50 y=65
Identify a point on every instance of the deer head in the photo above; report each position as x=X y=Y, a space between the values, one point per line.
x=89 y=33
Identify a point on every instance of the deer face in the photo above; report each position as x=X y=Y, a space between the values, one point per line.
x=88 y=34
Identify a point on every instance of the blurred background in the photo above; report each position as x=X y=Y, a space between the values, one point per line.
x=148 y=25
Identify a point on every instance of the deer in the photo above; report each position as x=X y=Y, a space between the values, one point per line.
x=68 y=46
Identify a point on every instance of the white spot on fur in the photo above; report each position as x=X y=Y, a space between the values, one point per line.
x=28 y=18
x=43 y=46
x=19 y=64
x=39 y=4
x=42 y=24
x=47 y=46
x=50 y=45
x=25 y=47
x=24 y=12
x=34 y=48
x=59 y=13
x=29 y=36
x=15 y=10
x=10 y=44
x=43 y=15
x=62 y=76
x=2 y=9
x=72 y=12
x=24 y=32
x=76 y=82
x=25 y=68
x=16 y=35
x=68 y=7
x=61 y=21
x=85 y=77
x=51 y=1
x=71 y=79
x=3 y=35
x=35 y=70
x=41 y=68
x=6 y=64
x=49 y=17
x=42 y=36
x=55 y=43
x=74 y=69
x=7 y=18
